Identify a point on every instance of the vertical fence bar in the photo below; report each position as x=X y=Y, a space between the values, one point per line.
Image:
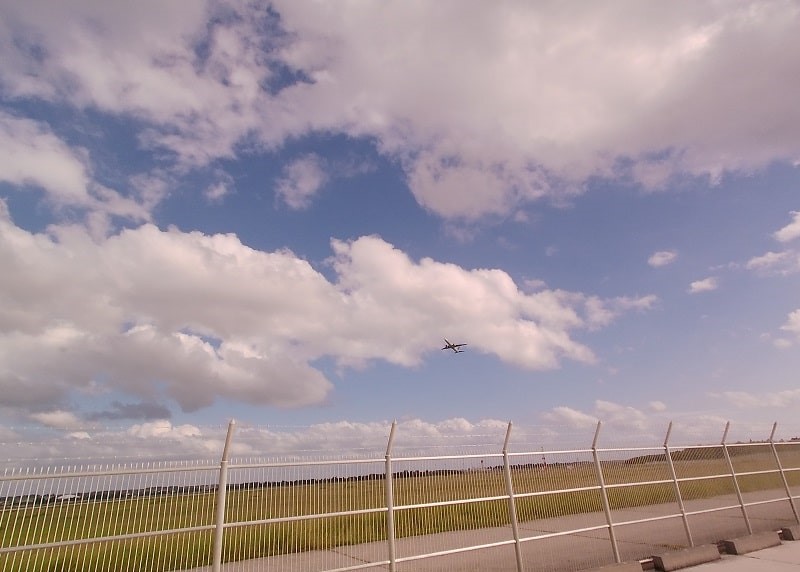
x=388 y=482
x=783 y=473
x=678 y=495
x=604 y=495
x=512 y=504
x=222 y=489
x=735 y=481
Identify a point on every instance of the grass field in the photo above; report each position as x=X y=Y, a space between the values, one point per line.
x=67 y=521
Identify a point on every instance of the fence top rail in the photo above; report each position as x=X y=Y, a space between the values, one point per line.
x=626 y=449
x=38 y=476
x=278 y=464
x=552 y=452
x=449 y=457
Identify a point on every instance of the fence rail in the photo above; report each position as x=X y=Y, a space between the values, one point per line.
x=357 y=513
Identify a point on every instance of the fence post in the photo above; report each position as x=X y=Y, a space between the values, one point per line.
x=678 y=495
x=222 y=489
x=735 y=481
x=604 y=495
x=783 y=474
x=512 y=505
x=390 y=534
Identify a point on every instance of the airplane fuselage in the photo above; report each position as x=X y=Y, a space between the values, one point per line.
x=451 y=346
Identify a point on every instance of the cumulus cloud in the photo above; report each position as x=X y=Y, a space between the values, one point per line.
x=568 y=416
x=570 y=103
x=662 y=258
x=623 y=424
x=157 y=439
x=617 y=419
x=565 y=428
x=58 y=419
x=784 y=262
x=166 y=314
x=621 y=415
x=300 y=181
x=704 y=285
x=543 y=100
x=31 y=154
x=791 y=231
x=776 y=399
x=220 y=188
x=792 y=324
x=163 y=429
x=768 y=260
x=33 y=157
x=782 y=343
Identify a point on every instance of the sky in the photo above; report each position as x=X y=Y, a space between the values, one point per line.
x=276 y=212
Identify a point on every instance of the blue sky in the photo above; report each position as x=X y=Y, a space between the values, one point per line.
x=276 y=214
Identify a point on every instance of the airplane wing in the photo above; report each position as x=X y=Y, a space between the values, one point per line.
x=450 y=346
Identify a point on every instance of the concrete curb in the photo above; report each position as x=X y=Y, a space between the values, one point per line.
x=621 y=567
x=751 y=543
x=686 y=557
x=791 y=532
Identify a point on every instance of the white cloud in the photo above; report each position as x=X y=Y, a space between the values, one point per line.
x=791 y=231
x=623 y=424
x=534 y=284
x=617 y=420
x=600 y=312
x=783 y=262
x=301 y=180
x=216 y=192
x=164 y=439
x=163 y=430
x=565 y=428
x=704 y=285
x=621 y=416
x=662 y=258
x=57 y=419
x=191 y=317
x=767 y=260
x=30 y=154
x=504 y=116
x=220 y=188
x=782 y=343
x=571 y=417
x=544 y=99
x=776 y=399
x=792 y=324
x=141 y=62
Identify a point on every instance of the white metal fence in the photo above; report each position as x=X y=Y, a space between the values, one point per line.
x=501 y=510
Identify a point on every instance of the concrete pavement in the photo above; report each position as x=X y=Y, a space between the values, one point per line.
x=783 y=558
x=562 y=544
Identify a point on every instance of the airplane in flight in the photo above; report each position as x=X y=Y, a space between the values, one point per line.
x=454 y=347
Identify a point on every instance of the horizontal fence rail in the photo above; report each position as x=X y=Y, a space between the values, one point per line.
x=394 y=511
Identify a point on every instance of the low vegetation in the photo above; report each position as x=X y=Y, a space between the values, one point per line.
x=254 y=511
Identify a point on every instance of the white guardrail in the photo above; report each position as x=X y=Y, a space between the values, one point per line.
x=392 y=511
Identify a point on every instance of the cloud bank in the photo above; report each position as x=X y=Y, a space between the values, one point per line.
x=167 y=314
x=516 y=103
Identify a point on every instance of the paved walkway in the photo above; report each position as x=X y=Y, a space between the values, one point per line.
x=783 y=558
x=549 y=549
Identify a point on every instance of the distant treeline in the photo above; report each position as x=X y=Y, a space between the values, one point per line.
x=173 y=490
x=702 y=453
x=29 y=500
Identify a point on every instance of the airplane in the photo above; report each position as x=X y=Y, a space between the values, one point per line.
x=454 y=347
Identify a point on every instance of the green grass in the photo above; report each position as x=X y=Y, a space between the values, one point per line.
x=71 y=521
